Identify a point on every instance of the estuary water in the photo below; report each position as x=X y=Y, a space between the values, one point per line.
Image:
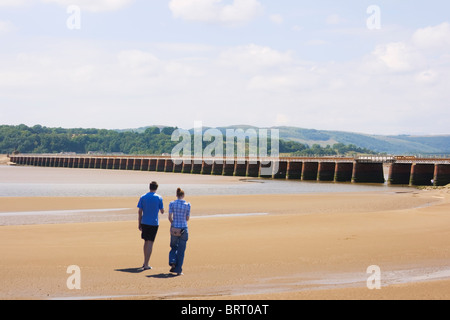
x=16 y=181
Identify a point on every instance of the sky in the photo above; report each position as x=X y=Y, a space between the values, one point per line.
x=375 y=67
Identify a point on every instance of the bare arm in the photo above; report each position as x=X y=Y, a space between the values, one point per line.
x=140 y=219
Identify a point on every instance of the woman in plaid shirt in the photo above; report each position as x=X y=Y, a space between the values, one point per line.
x=179 y=213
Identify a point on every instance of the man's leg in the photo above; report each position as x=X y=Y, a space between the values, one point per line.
x=148 y=248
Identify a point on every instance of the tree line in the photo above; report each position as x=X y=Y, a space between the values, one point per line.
x=151 y=141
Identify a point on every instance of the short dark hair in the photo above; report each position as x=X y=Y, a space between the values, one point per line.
x=154 y=185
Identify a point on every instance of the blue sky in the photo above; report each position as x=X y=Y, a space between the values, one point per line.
x=332 y=65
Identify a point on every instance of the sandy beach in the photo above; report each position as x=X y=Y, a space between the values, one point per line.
x=311 y=246
x=4 y=160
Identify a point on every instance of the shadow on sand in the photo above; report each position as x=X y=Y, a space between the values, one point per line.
x=131 y=270
x=140 y=270
x=162 y=275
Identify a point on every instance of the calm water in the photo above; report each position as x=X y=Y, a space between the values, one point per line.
x=62 y=182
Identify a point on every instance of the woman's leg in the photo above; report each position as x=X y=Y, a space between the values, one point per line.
x=173 y=252
x=181 y=248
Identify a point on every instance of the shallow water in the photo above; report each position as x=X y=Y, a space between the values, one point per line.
x=63 y=182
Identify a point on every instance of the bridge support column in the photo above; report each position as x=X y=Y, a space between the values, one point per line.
x=240 y=169
x=294 y=170
x=152 y=164
x=265 y=169
x=310 y=170
x=228 y=168
x=441 y=175
x=144 y=165
x=253 y=169
x=422 y=174
x=343 y=172
x=326 y=171
x=207 y=167
x=169 y=165
x=187 y=166
x=103 y=163
x=178 y=166
x=197 y=167
x=76 y=163
x=368 y=172
x=137 y=165
x=217 y=168
x=160 y=165
x=399 y=173
x=282 y=170
x=109 y=163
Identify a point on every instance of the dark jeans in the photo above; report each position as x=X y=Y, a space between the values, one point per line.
x=178 y=247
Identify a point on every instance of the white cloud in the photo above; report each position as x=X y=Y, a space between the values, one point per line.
x=396 y=57
x=93 y=5
x=88 y=5
x=6 y=27
x=215 y=11
x=433 y=37
x=80 y=83
x=334 y=19
x=139 y=62
x=13 y=3
x=276 y=18
x=255 y=58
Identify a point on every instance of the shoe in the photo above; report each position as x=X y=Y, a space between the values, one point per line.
x=172 y=269
x=143 y=268
x=180 y=274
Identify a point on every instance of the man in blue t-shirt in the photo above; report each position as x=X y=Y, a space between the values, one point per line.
x=149 y=206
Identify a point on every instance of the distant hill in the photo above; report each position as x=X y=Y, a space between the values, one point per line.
x=399 y=144
x=396 y=144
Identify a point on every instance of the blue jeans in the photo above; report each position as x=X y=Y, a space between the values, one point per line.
x=178 y=247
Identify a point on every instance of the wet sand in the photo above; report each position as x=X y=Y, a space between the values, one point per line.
x=296 y=247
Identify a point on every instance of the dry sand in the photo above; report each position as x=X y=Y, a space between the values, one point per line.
x=303 y=247
x=4 y=160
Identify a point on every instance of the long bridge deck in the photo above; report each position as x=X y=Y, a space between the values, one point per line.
x=403 y=170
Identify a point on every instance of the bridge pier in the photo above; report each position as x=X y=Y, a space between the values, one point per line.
x=310 y=170
x=228 y=168
x=207 y=167
x=253 y=169
x=282 y=170
x=264 y=169
x=441 y=175
x=197 y=167
x=343 y=172
x=240 y=168
x=169 y=166
x=422 y=174
x=217 y=168
x=294 y=170
x=187 y=167
x=178 y=166
x=160 y=165
x=123 y=164
x=368 y=173
x=137 y=164
x=399 y=173
x=326 y=171
x=152 y=164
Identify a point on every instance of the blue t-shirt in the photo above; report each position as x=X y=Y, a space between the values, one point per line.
x=150 y=204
